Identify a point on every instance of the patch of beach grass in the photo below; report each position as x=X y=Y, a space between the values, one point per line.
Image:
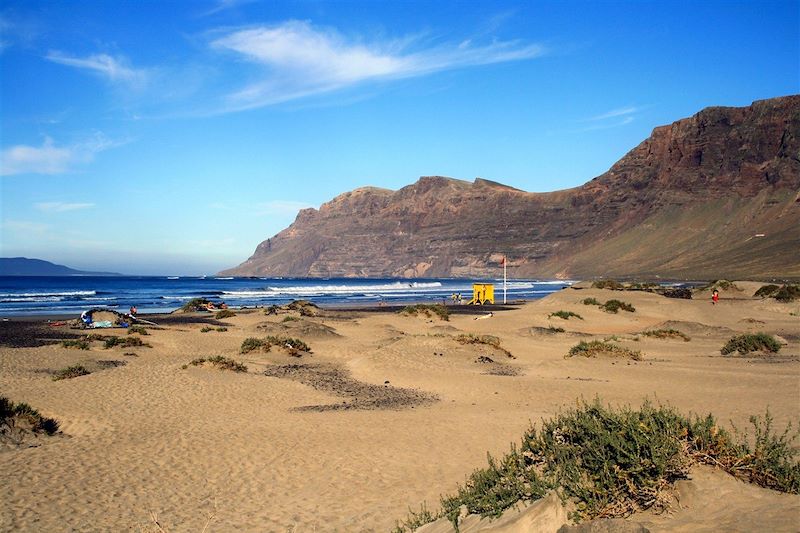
x=78 y=344
x=224 y=313
x=70 y=372
x=566 y=315
x=427 y=309
x=609 y=284
x=751 y=342
x=613 y=462
x=722 y=285
x=590 y=301
x=613 y=306
x=138 y=330
x=125 y=342
x=487 y=340
x=222 y=329
x=220 y=362
x=23 y=416
x=290 y=318
x=666 y=334
x=603 y=349
x=206 y=329
x=788 y=293
x=195 y=304
x=765 y=291
x=295 y=347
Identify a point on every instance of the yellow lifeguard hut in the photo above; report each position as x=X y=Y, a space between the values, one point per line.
x=482 y=293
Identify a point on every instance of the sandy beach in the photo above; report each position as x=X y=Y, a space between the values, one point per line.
x=387 y=411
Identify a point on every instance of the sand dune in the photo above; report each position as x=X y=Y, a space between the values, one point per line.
x=189 y=443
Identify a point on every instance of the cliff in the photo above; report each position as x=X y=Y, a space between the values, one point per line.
x=713 y=195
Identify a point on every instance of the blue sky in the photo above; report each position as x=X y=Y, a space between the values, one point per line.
x=171 y=137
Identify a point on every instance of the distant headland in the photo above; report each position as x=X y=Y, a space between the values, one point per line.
x=23 y=266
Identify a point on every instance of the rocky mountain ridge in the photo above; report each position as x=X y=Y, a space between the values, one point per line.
x=713 y=195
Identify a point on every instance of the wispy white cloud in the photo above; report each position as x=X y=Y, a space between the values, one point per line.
x=280 y=208
x=115 y=69
x=60 y=207
x=300 y=60
x=50 y=158
x=620 y=112
x=223 y=5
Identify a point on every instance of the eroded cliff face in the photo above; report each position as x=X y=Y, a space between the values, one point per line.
x=687 y=202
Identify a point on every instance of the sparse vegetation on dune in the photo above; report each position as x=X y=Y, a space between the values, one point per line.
x=195 y=304
x=138 y=330
x=70 y=372
x=590 y=301
x=613 y=462
x=426 y=309
x=609 y=284
x=566 y=315
x=23 y=416
x=788 y=293
x=603 y=349
x=765 y=291
x=721 y=285
x=125 y=342
x=295 y=347
x=488 y=340
x=666 y=334
x=225 y=313
x=220 y=362
x=613 y=306
x=751 y=342
x=78 y=344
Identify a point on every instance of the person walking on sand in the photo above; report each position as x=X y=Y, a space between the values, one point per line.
x=714 y=297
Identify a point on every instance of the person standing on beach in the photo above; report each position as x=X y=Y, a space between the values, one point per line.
x=133 y=310
x=714 y=297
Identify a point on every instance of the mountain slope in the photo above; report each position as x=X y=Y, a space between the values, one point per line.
x=687 y=202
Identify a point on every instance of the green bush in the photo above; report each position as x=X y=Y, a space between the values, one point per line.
x=295 y=347
x=125 y=342
x=565 y=315
x=11 y=415
x=613 y=462
x=426 y=309
x=722 y=285
x=220 y=362
x=70 y=372
x=602 y=348
x=222 y=328
x=613 y=306
x=751 y=342
x=206 y=329
x=766 y=291
x=79 y=344
x=137 y=329
x=590 y=301
x=666 y=334
x=225 y=313
x=788 y=293
x=608 y=284
x=195 y=304
x=290 y=319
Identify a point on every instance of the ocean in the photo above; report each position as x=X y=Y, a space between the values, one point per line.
x=28 y=295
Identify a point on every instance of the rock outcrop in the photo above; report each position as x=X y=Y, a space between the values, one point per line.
x=713 y=195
